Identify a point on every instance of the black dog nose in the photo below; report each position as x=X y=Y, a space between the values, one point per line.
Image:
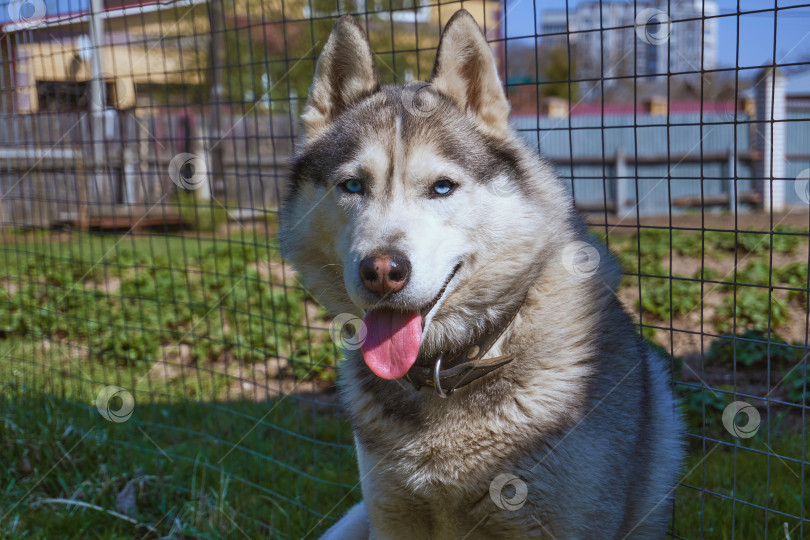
x=385 y=273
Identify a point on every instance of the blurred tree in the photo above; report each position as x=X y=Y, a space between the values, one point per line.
x=270 y=59
x=556 y=68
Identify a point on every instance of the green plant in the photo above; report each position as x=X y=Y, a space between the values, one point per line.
x=687 y=244
x=209 y=295
x=794 y=275
x=787 y=243
x=797 y=382
x=702 y=405
x=719 y=240
x=650 y=246
x=753 y=348
x=659 y=300
x=756 y=273
x=760 y=242
x=752 y=310
x=206 y=216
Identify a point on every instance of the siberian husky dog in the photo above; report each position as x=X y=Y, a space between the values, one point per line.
x=496 y=387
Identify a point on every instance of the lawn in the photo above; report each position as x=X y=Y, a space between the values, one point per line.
x=236 y=431
x=282 y=468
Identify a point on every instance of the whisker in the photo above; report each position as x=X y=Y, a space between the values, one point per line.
x=329 y=287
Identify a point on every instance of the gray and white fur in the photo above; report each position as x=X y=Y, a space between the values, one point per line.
x=584 y=416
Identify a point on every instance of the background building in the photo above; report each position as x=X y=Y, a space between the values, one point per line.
x=98 y=96
x=606 y=39
x=657 y=157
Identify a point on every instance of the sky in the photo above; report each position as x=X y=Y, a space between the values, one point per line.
x=756 y=29
x=756 y=43
x=10 y=8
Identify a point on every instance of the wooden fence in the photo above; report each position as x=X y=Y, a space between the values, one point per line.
x=48 y=174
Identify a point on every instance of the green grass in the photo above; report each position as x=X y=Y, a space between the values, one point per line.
x=211 y=469
x=83 y=311
x=721 y=468
x=201 y=469
x=202 y=216
x=718 y=474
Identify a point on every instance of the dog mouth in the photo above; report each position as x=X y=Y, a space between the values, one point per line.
x=430 y=305
x=393 y=337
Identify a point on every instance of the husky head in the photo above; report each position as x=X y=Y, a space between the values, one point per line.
x=417 y=205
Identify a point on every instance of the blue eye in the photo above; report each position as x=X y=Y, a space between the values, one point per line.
x=352 y=185
x=443 y=187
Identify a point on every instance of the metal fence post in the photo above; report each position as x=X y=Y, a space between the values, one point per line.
x=624 y=187
x=769 y=138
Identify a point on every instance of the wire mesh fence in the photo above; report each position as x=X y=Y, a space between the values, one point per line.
x=162 y=372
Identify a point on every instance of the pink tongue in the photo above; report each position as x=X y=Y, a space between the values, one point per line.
x=392 y=342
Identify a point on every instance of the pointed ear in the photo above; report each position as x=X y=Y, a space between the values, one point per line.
x=345 y=73
x=465 y=71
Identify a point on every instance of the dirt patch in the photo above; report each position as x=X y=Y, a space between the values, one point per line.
x=11 y=287
x=796 y=329
x=173 y=358
x=801 y=254
x=761 y=221
x=277 y=271
x=67 y=350
x=256 y=225
x=108 y=286
x=229 y=379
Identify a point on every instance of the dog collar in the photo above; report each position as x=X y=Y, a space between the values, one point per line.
x=466 y=365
